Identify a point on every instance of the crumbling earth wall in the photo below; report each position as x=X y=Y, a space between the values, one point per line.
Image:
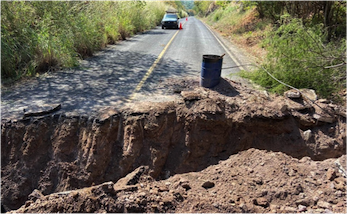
x=57 y=153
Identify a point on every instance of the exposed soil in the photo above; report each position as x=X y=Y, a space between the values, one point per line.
x=226 y=149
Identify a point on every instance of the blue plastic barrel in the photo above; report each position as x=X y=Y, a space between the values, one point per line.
x=211 y=70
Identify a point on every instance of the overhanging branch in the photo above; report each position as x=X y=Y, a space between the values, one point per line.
x=335 y=66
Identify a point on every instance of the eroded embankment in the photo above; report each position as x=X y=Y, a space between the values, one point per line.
x=57 y=153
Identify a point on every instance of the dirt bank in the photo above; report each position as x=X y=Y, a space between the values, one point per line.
x=250 y=181
x=192 y=135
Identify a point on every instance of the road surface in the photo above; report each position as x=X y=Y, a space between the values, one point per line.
x=120 y=73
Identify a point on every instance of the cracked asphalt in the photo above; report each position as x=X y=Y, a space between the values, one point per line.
x=110 y=77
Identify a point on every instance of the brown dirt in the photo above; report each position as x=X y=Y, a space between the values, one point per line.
x=226 y=149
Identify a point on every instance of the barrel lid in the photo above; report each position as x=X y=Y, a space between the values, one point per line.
x=211 y=58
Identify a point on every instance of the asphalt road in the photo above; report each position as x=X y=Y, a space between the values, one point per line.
x=120 y=73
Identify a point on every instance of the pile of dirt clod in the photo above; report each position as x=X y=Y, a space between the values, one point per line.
x=226 y=149
x=250 y=181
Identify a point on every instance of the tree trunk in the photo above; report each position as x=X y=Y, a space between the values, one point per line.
x=328 y=18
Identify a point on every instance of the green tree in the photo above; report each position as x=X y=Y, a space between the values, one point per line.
x=298 y=56
x=331 y=13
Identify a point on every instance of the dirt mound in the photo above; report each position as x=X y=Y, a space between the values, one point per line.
x=250 y=181
x=58 y=153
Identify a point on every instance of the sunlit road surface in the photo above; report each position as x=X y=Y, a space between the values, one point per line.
x=122 y=73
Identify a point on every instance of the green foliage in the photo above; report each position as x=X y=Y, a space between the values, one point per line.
x=330 y=13
x=18 y=38
x=247 y=5
x=298 y=56
x=270 y=9
x=40 y=35
x=188 y=5
x=201 y=7
x=232 y=17
x=227 y=15
x=177 y=6
x=303 y=40
x=217 y=15
x=223 y=4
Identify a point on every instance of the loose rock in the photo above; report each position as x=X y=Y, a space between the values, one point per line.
x=208 y=184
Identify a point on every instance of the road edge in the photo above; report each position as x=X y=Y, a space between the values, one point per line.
x=243 y=61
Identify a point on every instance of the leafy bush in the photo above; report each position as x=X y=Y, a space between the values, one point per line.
x=39 y=35
x=217 y=15
x=298 y=56
x=225 y=16
x=18 y=38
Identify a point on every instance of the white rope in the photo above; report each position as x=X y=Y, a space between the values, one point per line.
x=340 y=168
x=295 y=90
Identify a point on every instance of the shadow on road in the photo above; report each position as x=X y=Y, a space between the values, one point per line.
x=104 y=80
x=154 y=32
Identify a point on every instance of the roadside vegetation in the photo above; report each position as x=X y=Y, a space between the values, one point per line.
x=39 y=36
x=300 y=43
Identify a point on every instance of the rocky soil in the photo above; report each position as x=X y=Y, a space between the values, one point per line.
x=226 y=149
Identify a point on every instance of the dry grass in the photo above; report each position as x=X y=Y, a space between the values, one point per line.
x=244 y=30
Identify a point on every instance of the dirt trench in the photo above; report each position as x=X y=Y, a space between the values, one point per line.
x=57 y=153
